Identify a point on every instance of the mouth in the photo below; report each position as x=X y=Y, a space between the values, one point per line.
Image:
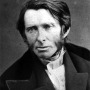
x=45 y=48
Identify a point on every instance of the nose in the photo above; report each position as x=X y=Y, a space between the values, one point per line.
x=41 y=35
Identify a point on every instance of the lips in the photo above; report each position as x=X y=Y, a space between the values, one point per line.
x=42 y=48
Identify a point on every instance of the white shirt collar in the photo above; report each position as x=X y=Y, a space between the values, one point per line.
x=58 y=62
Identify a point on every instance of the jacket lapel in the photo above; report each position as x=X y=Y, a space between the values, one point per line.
x=74 y=80
x=28 y=84
x=42 y=77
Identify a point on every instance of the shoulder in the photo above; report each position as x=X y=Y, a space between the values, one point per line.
x=21 y=69
x=80 y=57
x=78 y=50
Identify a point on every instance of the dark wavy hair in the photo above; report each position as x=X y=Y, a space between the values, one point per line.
x=57 y=8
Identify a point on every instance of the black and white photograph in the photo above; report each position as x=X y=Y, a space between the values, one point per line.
x=44 y=44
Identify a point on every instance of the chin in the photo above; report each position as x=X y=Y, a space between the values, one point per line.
x=44 y=56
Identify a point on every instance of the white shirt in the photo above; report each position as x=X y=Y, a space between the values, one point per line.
x=57 y=74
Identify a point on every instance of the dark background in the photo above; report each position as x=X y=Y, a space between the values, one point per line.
x=12 y=46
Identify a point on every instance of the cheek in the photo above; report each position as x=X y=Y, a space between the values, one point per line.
x=56 y=34
x=56 y=37
x=31 y=39
x=57 y=40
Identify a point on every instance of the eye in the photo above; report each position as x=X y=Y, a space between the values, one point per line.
x=31 y=29
x=46 y=26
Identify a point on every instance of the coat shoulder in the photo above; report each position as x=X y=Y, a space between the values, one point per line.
x=20 y=70
x=80 y=57
x=78 y=50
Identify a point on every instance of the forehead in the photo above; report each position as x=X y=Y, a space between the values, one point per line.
x=39 y=16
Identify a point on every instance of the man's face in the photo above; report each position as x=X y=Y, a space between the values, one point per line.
x=42 y=32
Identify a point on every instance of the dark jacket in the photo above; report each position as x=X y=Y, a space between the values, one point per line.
x=28 y=73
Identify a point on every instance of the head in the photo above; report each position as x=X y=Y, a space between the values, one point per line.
x=44 y=26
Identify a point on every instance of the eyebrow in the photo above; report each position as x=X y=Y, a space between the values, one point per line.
x=47 y=23
x=27 y=28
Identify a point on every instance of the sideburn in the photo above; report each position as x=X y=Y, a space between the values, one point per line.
x=59 y=44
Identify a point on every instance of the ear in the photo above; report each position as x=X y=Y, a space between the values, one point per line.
x=65 y=34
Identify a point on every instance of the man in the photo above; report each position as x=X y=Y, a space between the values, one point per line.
x=50 y=63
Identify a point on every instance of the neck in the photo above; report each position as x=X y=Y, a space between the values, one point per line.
x=56 y=60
